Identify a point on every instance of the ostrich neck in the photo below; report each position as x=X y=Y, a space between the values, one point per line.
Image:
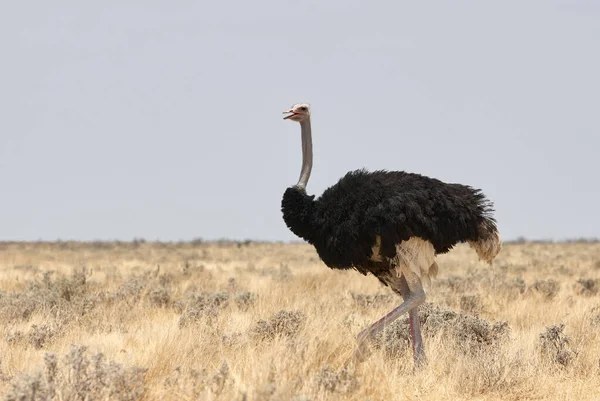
x=307 y=154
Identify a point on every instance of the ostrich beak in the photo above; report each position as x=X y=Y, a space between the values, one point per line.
x=289 y=111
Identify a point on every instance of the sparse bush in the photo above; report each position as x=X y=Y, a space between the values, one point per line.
x=198 y=383
x=159 y=296
x=232 y=340
x=283 y=323
x=64 y=296
x=78 y=378
x=471 y=303
x=232 y=284
x=187 y=268
x=202 y=305
x=220 y=378
x=245 y=300
x=209 y=300
x=165 y=279
x=595 y=318
x=474 y=334
x=13 y=337
x=190 y=316
x=38 y=336
x=490 y=372
x=513 y=287
x=470 y=334
x=395 y=339
x=588 y=286
x=554 y=345
x=338 y=381
x=131 y=289
x=3 y=377
x=548 y=288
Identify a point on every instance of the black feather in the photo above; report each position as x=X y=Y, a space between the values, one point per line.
x=344 y=222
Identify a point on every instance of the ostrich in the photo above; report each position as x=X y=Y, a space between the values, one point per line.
x=391 y=224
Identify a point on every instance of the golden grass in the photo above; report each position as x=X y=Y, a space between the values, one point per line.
x=270 y=322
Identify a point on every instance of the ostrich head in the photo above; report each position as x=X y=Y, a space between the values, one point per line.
x=300 y=112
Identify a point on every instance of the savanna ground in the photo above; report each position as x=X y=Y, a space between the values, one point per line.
x=253 y=321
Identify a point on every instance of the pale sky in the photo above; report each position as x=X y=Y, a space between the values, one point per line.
x=162 y=120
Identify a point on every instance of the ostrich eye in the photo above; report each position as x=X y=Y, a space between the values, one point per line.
x=303 y=108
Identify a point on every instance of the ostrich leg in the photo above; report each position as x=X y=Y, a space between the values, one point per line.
x=415 y=336
x=410 y=287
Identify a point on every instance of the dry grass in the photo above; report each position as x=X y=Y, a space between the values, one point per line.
x=253 y=321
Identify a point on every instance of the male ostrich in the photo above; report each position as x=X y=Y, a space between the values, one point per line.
x=391 y=224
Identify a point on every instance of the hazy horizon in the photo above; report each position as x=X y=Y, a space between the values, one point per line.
x=163 y=121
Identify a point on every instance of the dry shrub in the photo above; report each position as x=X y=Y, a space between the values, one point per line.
x=190 y=316
x=474 y=334
x=336 y=381
x=244 y=300
x=554 y=345
x=166 y=279
x=208 y=301
x=588 y=286
x=199 y=305
x=189 y=266
x=14 y=337
x=471 y=303
x=38 y=336
x=66 y=288
x=513 y=287
x=131 y=290
x=490 y=371
x=232 y=285
x=63 y=296
x=595 y=316
x=3 y=377
x=283 y=323
x=232 y=340
x=469 y=333
x=78 y=377
x=197 y=383
x=159 y=296
x=220 y=378
x=371 y=300
x=395 y=339
x=548 y=288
